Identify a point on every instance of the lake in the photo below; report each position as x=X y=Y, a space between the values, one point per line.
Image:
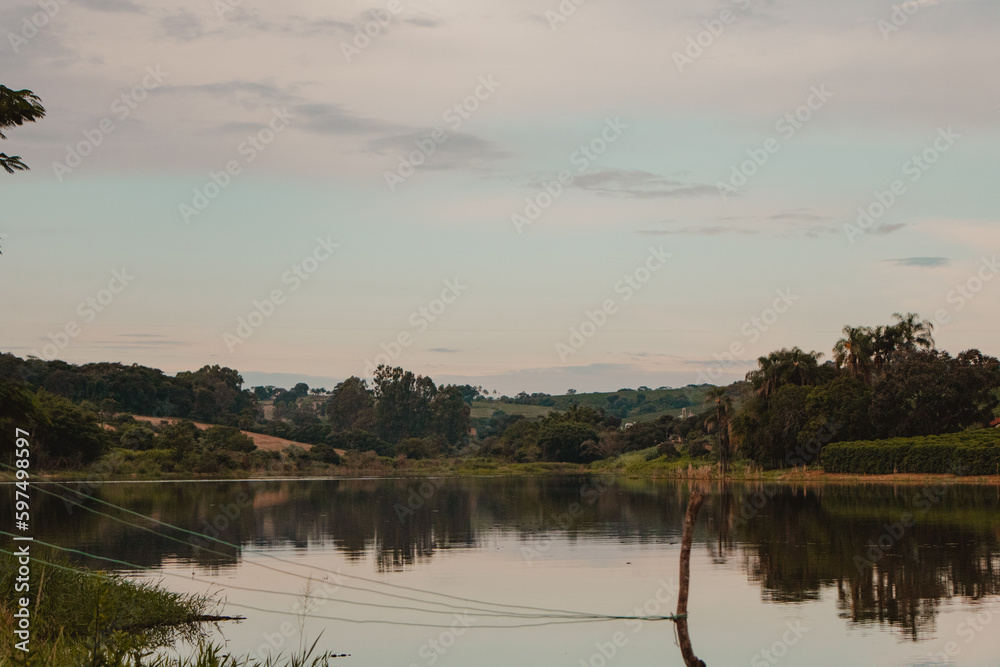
x=860 y=574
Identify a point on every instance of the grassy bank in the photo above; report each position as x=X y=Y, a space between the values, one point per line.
x=81 y=618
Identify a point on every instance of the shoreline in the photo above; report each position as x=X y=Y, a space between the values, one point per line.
x=678 y=473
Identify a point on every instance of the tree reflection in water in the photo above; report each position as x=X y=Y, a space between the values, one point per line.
x=794 y=541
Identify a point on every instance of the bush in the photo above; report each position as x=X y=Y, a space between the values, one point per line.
x=418 y=448
x=325 y=454
x=668 y=450
x=966 y=453
x=227 y=438
x=137 y=436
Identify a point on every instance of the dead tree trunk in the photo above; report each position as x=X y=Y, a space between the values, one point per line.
x=694 y=504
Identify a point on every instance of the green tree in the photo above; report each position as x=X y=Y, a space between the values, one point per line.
x=351 y=406
x=17 y=107
x=226 y=438
x=785 y=366
x=927 y=392
x=402 y=403
x=718 y=420
x=856 y=352
x=561 y=440
x=450 y=416
x=137 y=436
x=73 y=436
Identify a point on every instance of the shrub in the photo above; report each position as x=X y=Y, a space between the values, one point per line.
x=227 y=438
x=325 y=454
x=966 y=453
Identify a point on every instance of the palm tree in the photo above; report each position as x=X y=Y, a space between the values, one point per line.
x=723 y=408
x=17 y=107
x=855 y=351
x=784 y=366
x=911 y=332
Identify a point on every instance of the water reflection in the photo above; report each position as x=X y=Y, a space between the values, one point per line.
x=794 y=541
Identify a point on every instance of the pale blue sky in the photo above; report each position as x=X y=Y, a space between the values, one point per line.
x=654 y=185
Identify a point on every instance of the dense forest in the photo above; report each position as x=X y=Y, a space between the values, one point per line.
x=883 y=382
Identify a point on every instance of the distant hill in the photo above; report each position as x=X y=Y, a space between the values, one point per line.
x=638 y=404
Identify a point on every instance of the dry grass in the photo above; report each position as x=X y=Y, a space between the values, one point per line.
x=268 y=443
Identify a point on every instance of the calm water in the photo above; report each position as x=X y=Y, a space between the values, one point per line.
x=780 y=575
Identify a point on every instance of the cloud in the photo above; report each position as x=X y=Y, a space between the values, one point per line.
x=798 y=215
x=112 y=6
x=294 y=25
x=332 y=119
x=639 y=184
x=459 y=150
x=183 y=26
x=248 y=94
x=929 y=262
x=425 y=22
x=889 y=229
x=712 y=230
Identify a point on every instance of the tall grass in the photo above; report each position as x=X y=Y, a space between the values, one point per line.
x=82 y=620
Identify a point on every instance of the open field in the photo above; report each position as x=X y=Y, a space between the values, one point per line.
x=268 y=443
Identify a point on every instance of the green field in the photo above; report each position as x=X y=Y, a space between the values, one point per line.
x=630 y=404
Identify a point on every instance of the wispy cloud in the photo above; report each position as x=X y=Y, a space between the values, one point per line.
x=112 y=6
x=923 y=262
x=706 y=230
x=182 y=26
x=640 y=184
x=460 y=150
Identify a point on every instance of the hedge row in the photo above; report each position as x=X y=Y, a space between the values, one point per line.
x=966 y=453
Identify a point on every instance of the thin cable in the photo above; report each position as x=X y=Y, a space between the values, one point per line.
x=293 y=574
x=290 y=562
x=281 y=593
x=356 y=620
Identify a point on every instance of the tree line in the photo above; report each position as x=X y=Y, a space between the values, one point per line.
x=883 y=382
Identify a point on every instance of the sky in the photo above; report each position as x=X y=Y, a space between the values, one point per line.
x=529 y=196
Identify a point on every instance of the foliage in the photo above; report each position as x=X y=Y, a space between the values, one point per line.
x=351 y=406
x=17 y=107
x=70 y=435
x=226 y=438
x=211 y=394
x=968 y=453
